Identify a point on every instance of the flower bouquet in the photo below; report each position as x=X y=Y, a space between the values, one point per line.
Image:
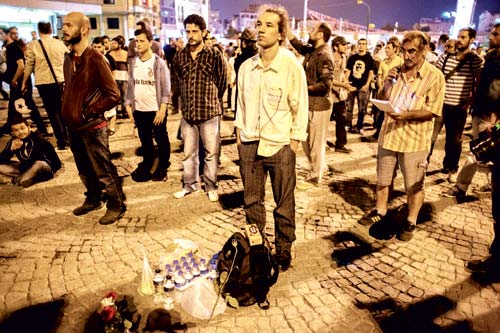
x=118 y=314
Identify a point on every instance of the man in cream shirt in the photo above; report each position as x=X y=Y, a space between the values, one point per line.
x=271 y=120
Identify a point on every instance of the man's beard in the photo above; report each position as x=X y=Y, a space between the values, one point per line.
x=75 y=39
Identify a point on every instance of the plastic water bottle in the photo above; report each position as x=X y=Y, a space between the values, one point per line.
x=188 y=275
x=195 y=271
x=203 y=267
x=180 y=281
x=158 y=284
x=168 y=284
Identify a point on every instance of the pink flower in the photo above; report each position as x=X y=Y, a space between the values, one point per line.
x=108 y=313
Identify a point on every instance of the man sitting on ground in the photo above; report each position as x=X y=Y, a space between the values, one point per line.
x=37 y=159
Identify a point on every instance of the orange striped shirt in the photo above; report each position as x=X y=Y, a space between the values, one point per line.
x=424 y=92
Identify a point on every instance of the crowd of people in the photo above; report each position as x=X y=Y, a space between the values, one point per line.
x=283 y=91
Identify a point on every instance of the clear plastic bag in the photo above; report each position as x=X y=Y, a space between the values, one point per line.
x=146 y=287
x=199 y=300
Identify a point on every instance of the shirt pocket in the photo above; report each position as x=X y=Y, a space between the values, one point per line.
x=273 y=97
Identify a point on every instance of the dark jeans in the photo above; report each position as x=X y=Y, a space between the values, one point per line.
x=281 y=168
x=146 y=129
x=339 y=115
x=51 y=97
x=454 y=118
x=15 y=94
x=122 y=87
x=362 y=98
x=96 y=170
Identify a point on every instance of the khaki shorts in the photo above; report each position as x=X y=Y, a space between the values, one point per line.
x=413 y=167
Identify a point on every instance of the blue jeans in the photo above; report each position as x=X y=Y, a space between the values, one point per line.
x=362 y=98
x=208 y=132
x=96 y=170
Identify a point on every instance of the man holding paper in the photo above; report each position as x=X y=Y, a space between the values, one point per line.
x=416 y=96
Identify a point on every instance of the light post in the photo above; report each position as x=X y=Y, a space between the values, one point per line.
x=361 y=2
x=304 y=23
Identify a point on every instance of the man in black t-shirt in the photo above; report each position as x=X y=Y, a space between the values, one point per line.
x=14 y=77
x=360 y=68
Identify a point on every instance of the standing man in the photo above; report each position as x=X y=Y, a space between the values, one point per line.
x=90 y=91
x=48 y=77
x=14 y=77
x=461 y=71
x=200 y=73
x=318 y=65
x=248 y=49
x=360 y=69
x=340 y=88
x=148 y=93
x=487 y=104
x=405 y=138
x=391 y=60
x=270 y=122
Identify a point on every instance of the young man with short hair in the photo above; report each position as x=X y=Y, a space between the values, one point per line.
x=37 y=159
x=49 y=87
x=199 y=72
x=14 y=77
x=318 y=65
x=461 y=71
x=148 y=93
x=360 y=69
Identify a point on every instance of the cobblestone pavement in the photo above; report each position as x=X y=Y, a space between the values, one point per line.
x=373 y=285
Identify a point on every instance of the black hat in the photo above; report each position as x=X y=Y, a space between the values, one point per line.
x=248 y=34
x=339 y=40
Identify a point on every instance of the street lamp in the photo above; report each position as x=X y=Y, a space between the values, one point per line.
x=361 y=2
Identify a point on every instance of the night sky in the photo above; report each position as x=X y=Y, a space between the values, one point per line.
x=406 y=12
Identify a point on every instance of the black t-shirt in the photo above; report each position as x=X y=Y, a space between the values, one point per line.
x=360 y=66
x=13 y=52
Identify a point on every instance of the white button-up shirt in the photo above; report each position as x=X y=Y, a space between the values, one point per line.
x=272 y=102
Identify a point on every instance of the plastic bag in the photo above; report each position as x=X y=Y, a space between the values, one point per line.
x=199 y=300
x=146 y=287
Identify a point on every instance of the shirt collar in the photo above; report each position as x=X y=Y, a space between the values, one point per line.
x=276 y=65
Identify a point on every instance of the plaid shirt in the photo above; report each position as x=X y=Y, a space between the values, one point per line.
x=201 y=81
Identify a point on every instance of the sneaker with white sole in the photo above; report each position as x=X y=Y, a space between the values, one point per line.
x=213 y=196
x=182 y=193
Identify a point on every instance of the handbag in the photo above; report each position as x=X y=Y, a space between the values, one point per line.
x=61 y=85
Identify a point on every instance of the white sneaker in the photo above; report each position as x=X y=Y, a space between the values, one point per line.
x=213 y=196
x=182 y=193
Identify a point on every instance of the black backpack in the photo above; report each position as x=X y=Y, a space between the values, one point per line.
x=253 y=272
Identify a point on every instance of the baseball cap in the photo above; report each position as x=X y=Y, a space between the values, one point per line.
x=248 y=34
x=339 y=40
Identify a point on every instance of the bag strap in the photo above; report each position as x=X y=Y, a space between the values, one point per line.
x=456 y=69
x=48 y=61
